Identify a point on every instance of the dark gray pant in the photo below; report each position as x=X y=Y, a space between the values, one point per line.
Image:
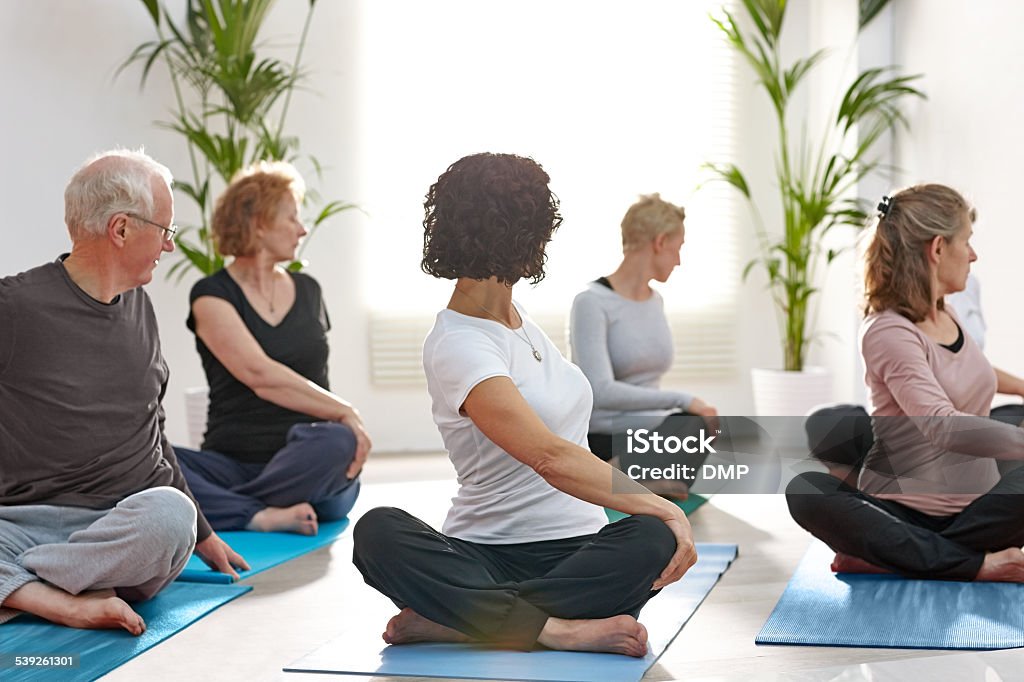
x=504 y=594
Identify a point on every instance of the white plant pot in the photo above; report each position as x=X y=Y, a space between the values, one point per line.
x=196 y=401
x=778 y=393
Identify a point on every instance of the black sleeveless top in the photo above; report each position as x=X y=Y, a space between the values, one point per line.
x=239 y=423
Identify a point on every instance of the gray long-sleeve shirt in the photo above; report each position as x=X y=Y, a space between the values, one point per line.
x=81 y=384
x=623 y=347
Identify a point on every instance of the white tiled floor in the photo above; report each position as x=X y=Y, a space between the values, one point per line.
x=295 y=608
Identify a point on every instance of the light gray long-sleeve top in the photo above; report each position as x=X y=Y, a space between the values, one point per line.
x=624 y=347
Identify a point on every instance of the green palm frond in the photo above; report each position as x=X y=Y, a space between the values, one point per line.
x=731 y=174
x=767 y=16
x=869 y=9
x=872 y=94
x=792 y=76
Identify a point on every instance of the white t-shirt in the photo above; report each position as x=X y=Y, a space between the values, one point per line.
x=501 y=500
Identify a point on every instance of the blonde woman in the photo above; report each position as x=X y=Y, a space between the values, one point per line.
x=620 y=338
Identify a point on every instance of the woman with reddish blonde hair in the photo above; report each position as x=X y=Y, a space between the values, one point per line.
x=281 y=451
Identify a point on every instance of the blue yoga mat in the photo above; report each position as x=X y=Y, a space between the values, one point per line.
x=360 y=651
x=820 y=607
x=689 y=505
x=100 y=651
x=262 y=551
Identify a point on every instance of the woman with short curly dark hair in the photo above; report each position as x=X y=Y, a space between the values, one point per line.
x=486 y=200
x=526 y=555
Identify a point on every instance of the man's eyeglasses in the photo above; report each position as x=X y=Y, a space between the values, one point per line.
x=169 y=232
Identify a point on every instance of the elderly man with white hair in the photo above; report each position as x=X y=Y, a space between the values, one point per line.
x=94 y=510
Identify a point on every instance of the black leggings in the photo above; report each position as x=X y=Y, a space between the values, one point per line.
x=504 y=594
x=904 y=540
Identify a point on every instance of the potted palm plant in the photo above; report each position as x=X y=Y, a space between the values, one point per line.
x=230 y=108
x=817 y=181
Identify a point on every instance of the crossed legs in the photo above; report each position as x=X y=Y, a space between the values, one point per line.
x=578 y=593
x=302 y=485
x=81 y=567
x=980 y=543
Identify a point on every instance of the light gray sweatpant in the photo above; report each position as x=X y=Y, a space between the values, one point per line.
x=137 y=547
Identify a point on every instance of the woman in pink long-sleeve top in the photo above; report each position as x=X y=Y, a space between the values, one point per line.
x=930 y=502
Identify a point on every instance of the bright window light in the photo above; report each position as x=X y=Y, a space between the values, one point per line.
x=613 y=99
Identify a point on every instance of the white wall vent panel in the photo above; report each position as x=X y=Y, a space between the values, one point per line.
x=705 y=346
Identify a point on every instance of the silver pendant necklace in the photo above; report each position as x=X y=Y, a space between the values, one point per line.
x=522 y=325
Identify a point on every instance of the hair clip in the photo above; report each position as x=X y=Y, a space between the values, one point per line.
x=883 y=206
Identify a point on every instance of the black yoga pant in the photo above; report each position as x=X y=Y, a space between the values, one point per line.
x=904 y=540
x=840 y=434
x=504 y=594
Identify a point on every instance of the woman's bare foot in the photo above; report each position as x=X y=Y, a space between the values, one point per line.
x=408 y=627
x=298 y=518
x=94 y=610
x=1006 y=566
x=615 y=635
x=846 y=563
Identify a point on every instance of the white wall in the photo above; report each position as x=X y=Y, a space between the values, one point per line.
x=969 y=135
x=61 y=103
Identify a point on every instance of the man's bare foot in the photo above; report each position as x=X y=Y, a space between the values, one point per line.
x=1006 y=566
x=298 y=518
x=846 y=563
x=615 y=635
x=408 y=627
x=95 y=610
